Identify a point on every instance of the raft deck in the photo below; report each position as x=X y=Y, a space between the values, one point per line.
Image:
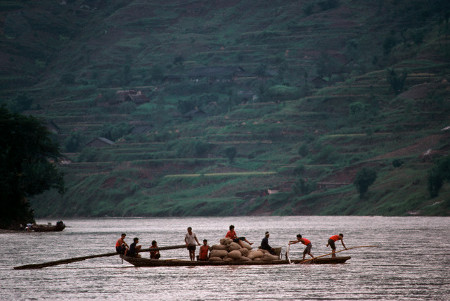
x=145 y=262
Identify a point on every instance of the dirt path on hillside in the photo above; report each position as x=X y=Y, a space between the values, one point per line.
x=419 y=147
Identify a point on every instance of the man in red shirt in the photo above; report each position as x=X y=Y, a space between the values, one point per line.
x=304 y=241
x=334 y=239
x=233 y=236
x=203 y=253
x=121 y=245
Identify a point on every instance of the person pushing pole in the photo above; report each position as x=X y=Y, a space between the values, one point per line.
x=304 y=241
x=332 y=240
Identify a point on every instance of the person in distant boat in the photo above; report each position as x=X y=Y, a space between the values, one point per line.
x=191 y=242
x=134 y=248
x=233 y=236
x=154 y=254
x=265 y=244
x=204 y=250
x=29 y=227
x=304 y=241
x=332 y=240
x=121 y=245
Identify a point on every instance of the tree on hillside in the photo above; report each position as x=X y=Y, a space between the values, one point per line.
x=303 y=186
x=27 y=154
x=357 y=111
x=303 y=150
x=364 y=178
x=230 y=152
x=73 y=142
x=115 y=131
x=438 y=174
x=397 y=81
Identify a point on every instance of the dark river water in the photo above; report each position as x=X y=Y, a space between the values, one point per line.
x=411 y=263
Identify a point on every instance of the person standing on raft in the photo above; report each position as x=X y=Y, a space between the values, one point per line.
x=332 y=240
x=191 y=239
x=306 y=242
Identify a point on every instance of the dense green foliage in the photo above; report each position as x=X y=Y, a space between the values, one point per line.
x=25 y=169
x=364 y=178
x=438 y=175
x=212 y=104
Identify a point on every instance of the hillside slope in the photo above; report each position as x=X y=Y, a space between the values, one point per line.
x=234 y=107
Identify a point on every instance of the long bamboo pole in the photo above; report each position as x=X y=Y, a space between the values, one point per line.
x=163 y=248
x=75 y=259
x=307 y=260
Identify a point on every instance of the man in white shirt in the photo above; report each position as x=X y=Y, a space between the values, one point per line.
x=191 y=240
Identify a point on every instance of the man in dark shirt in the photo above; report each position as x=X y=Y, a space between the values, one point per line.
x=265 y=244
x=134 y=248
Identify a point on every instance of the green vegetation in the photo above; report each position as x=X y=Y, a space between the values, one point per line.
x=230 y=152
x=364 y=178
x=25 y=167
x=438 y=174
x=210 y=107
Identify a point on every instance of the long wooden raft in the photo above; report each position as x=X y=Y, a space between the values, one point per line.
x=145 y=262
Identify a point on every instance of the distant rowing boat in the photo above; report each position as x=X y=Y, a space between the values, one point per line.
x=145 y=262
x=48 y=228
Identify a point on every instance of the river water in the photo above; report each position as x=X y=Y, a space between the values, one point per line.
x=411 y=263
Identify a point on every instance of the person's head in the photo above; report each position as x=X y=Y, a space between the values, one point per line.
x=189 y=229
x=231 y=227
x=299 y=236
x=154 y=243
x=205 y=242
x=136 y=240
x=123 y=235
x=267 y=233
x=341 y=235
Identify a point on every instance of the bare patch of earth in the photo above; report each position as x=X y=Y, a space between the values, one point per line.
x=418 y=148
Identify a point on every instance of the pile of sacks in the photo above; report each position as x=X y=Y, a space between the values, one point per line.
x=228 y=250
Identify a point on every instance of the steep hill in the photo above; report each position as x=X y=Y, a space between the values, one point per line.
x=174 y=108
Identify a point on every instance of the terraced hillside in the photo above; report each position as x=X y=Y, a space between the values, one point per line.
x=234 y=107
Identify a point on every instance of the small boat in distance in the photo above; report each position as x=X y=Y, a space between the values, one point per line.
x=47 y=228
x=146 y=262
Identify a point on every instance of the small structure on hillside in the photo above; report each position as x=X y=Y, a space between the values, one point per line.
x=137 y=98
x=100 y=142
x=130 y=95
